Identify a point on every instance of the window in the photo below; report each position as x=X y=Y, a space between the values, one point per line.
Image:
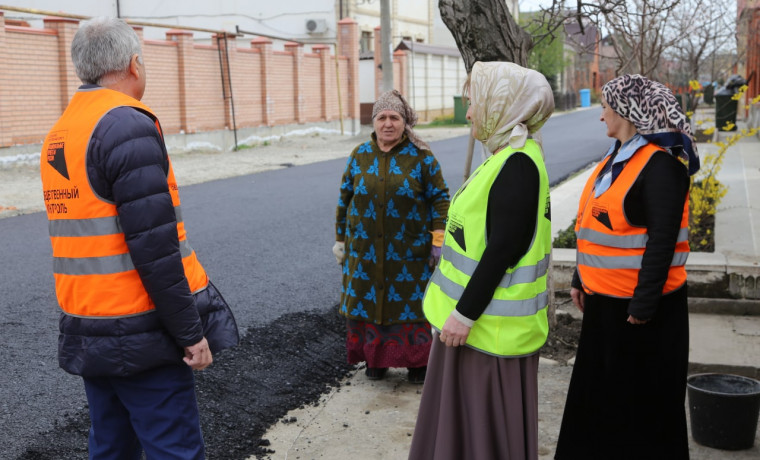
x=366 y=42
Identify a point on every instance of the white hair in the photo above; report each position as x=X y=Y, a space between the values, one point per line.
x=102 y=50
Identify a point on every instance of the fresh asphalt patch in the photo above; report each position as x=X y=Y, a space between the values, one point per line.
x=277 y=367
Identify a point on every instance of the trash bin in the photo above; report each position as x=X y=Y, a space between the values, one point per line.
x=460 y=110
x=725 y=105
x=585 y=97
x=679 y=99
x=725 y=109
x=724 y=410
x=707 y=93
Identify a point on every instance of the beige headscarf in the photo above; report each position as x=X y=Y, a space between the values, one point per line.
x=508 y=102
x=393 y=100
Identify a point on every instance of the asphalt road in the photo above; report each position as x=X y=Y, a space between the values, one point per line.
x=265 y=239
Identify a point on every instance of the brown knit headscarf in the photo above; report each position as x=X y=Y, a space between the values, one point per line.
x=393 y=100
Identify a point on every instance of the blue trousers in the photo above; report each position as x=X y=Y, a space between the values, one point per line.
x=155 y=411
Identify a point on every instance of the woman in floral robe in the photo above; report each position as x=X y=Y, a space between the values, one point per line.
x=389 y=230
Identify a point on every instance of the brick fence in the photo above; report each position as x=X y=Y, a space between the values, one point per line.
x=192 y=88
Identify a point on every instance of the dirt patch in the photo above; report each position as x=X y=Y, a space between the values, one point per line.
x=562 y=342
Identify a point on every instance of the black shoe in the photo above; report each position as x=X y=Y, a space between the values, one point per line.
x=375 y=373
x=416 y=375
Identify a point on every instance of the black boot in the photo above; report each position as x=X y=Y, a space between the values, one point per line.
x=416 y=375
x=375 y=373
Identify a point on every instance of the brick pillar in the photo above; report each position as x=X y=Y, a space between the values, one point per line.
x=139 y=31
x=184 y=40
x=348 y=36
x=402 y=83
x=267 y=104
x=227 y=53
x=5 y=134
x=324 y=67
x=296 y=49
x=66 y=29
x=378 y=62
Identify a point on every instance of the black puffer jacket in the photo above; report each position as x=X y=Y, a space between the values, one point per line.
x=127 y=164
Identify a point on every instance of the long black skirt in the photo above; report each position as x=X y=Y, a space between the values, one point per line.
x=627 y=393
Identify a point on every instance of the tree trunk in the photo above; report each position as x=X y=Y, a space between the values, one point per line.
x=485 y=31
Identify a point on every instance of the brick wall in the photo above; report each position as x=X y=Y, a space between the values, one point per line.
x=188 y=85
x=31 y=94
x=161 y=66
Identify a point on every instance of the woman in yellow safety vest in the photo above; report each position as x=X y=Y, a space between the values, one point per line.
x=487 y=299
x=627 y=391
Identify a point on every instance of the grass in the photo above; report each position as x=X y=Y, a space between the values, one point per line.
x=442 y=121
x=252 y=146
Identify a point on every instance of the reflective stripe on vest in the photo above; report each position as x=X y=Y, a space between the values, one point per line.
x=496 y=307
x=611 y=250
x=520 y=275
x=97 y=265
x=93 y=270
x=623 y=241
x=514 y=322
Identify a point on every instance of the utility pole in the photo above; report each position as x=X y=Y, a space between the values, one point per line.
x=385 y=44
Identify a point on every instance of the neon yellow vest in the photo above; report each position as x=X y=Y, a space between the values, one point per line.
x=514 y=323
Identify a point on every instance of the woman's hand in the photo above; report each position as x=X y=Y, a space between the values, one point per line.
x=435 y=249
x=339 y=251
x=435 y=256
x=454 y=333
x=579 y=298
x=633 y=320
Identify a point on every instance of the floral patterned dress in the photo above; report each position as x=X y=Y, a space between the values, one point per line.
x=389 y=203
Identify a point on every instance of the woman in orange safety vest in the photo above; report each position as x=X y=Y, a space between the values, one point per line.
x=627 y=391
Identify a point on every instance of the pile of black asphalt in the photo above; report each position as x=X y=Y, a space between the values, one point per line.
x=284 y=365
x=276 y=368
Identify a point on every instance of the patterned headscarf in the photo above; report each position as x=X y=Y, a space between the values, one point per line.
x=654 y=111
x=508 y=102
x=393 y=100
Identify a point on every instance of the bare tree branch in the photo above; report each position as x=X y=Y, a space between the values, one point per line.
x=640 y=32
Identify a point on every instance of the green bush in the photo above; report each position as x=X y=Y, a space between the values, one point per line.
x=566 y=238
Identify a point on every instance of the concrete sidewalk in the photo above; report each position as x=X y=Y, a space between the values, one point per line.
x=375 y=419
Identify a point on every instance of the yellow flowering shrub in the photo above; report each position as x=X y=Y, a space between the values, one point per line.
x=704 y=197
x=706 y=191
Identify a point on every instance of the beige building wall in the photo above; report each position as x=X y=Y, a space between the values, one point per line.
x=410 y=19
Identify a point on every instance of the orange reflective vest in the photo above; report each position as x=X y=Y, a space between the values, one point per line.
x=94 y=274
x=610 y=249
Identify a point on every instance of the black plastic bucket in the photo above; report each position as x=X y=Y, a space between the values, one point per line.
x=724 y=409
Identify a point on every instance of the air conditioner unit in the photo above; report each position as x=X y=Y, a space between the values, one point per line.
x=316 y=26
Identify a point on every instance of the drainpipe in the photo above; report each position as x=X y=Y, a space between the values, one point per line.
x=228 y=82
x=337 y=82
